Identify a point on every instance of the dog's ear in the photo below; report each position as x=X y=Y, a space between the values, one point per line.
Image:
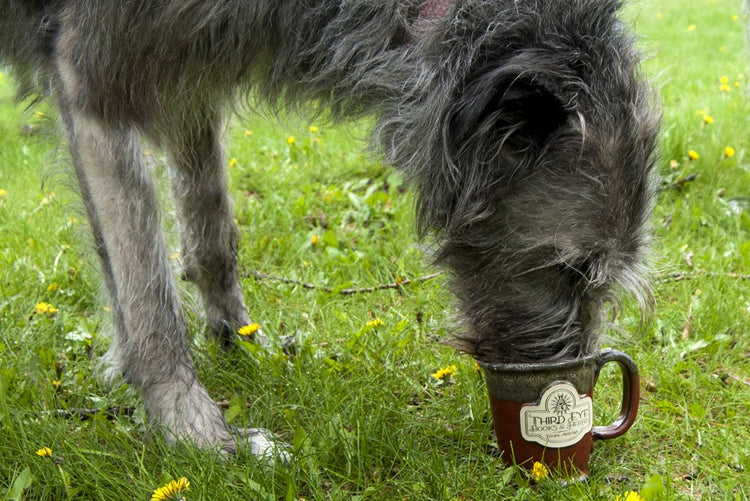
x=514 y=111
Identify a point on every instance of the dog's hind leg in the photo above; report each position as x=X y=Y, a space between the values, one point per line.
x=151 y=346
x=207 y=229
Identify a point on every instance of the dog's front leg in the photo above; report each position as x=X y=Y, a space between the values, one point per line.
x=150 y=347
x=207 y=229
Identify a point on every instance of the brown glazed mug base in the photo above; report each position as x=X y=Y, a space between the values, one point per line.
x=568 y=462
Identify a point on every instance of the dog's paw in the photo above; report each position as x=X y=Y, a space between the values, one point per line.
x=230 y=441
x=262 y=444
x=191 y=416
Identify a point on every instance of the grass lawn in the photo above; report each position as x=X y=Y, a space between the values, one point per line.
x=358 y=401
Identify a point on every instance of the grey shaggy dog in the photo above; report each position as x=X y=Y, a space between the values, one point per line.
x=522 y=124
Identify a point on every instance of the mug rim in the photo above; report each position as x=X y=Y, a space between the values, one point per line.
x=537 y=366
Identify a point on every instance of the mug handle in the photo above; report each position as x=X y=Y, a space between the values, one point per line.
x=631 y=393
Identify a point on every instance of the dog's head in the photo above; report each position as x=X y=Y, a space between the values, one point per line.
x=542 y=196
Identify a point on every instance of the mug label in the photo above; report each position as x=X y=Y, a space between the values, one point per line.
x=560 y=419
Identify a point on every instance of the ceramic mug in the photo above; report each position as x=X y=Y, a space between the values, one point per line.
x=543 y=412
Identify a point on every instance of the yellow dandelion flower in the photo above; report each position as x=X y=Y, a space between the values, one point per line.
x=313 y=129
x=708 y=119
x=290 y=140
x=248 y=330
x=724 y=79
x=3 y=193
x=728 y=152
x=172 y=490
x=232 y=162
x=45 y=308
x=374 y=323
x=44 y=452
x=539 y=472
x=314 y=239
x=52 y=287
x=725 y=88
x=630 y=496
x=56 y=384
x=693 y=155
x=249 y=133
x=735 y=17
x=691 y=27
x=446 y=372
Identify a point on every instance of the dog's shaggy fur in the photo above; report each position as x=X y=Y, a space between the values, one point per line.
x=522 y=124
